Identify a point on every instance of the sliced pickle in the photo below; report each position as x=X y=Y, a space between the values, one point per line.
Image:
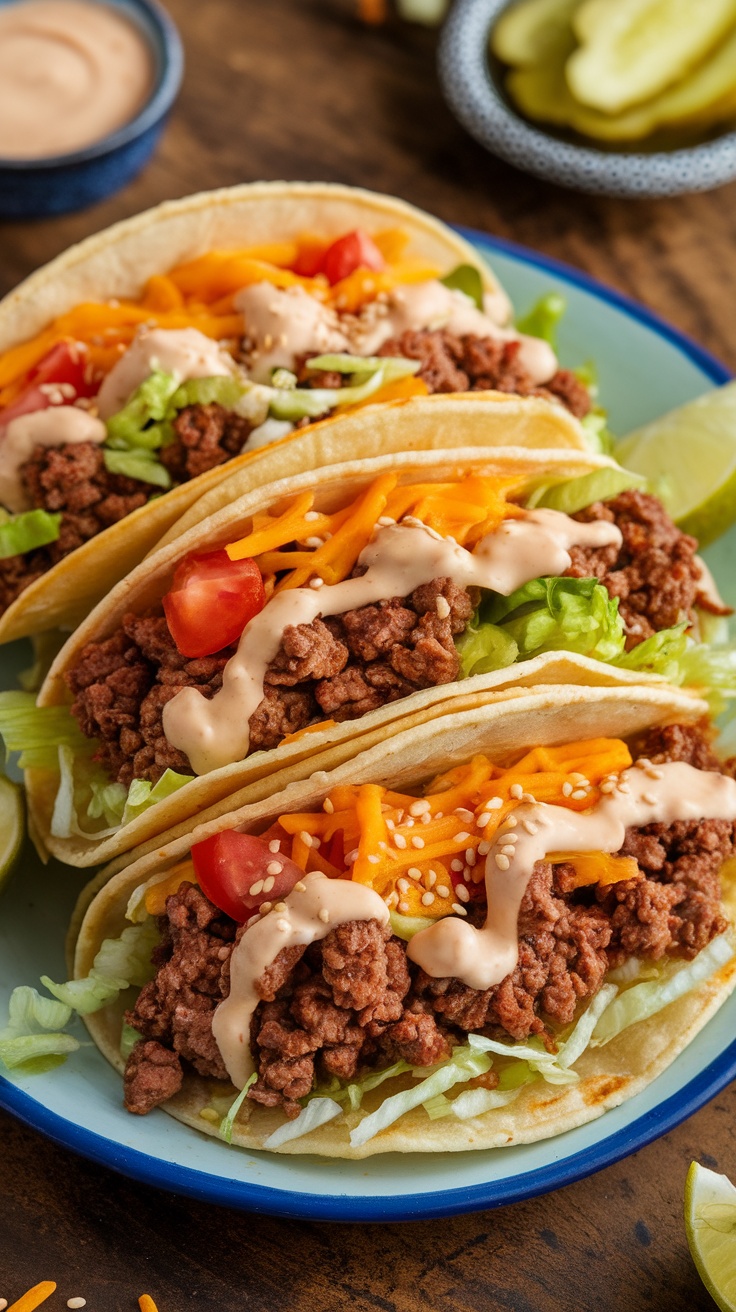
x=527 y=34
x=699 y=102
x=632 y=50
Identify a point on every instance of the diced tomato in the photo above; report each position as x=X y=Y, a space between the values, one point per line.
x=238 y=872
x=211 y=601
x=65 y=363
x=334 y=851
x=356 y=250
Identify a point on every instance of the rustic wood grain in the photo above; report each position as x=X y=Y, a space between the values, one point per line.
x=297 y=89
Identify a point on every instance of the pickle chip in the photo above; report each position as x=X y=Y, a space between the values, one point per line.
x=528 y=34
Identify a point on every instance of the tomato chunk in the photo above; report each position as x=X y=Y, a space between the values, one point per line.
x=356 y=250
x=64 y=364
x=238 y=872
x=211 y=601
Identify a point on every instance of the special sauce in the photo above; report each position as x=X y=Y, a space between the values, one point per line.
x=71 y=72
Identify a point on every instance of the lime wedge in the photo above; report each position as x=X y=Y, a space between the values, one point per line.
x=688 y=458
x=12 y=826
x=710 y=1222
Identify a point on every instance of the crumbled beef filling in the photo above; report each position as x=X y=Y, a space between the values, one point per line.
x=449 y=363
x=654 y=573
x=337 y=669
x=73 y=480
x=206 y=436
x=354 y=1000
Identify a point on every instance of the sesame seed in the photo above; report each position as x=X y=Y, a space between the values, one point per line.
x=462 y=837
x=306 y=838
x=328 y=806
x=463 y=814
x=207 y=1114
x=427 y=899
x=300 y=886
x=252 y=920
x=530 y=826
x=642 y=763
x=403 y=906
x=456 y=865
x=382 y=847
x=502 y=861
x=280 y=906
x=578 y=778
x=443 y=890
x=430 y=878
x=316 y=582
x=624 y=788
x=410 y=822
x=510 y=822
x=654 y=773
x=324 y=916
x=373 y=858
x=508 y=849
x=649 y=798
x=579 y=794
x=283 y=925
x=274 y=845
x=494 y=804
x=566 y=789
x=511 y=838
x=417 y=841
x=403 y=885
x=608 y=787
x=352 y=857
x=386 y=521
x=483 y=820
x=265 y=907
x=414 y=872
x=268 y=884
x=390 y=824
x=462 y=893
x=516 y=791
x=425 y=818
x=314 y=542
x=484 y=848
x=392 y=899
x=459 y=911
x=274 y=868
x=529 y=797
x=82 y=1302
x=443 y=607
x=470 y=857
x=311 y=515
x=256 y=888
x=419 y=807
x=400 y=841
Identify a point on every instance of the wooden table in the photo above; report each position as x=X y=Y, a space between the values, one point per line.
x=297 y=89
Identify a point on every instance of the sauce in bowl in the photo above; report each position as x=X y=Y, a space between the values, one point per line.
x=71 y=72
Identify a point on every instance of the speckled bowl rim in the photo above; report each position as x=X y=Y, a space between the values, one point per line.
x=165 y=46
x=473 y=97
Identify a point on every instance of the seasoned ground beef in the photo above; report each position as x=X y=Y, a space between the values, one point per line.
x=73 y=480
x=337 y=669
x=479 y=364
x=354 y=1000
x=654 y=574
x=206 y=436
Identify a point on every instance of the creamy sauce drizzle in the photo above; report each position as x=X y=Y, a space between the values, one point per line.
x=400 y=558
x=284 y=323
x=314 y=907
x=184 y=352
x=70 y=73
x=57 y=425
x=483 y=957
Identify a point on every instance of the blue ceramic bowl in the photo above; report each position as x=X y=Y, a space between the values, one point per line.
x=40 y=187
x=472 y=94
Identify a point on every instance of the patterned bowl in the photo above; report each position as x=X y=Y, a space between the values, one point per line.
x=472 y=94
x=40 y=187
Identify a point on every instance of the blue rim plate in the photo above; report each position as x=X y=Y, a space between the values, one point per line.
x=645 y=367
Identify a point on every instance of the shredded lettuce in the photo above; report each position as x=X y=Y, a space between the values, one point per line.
x=466 y=278
x=128 y=1039
x=317 y=1112
x=300 y=402
x=228 y=1121
x=142 y=794
x=543 y=318
x=26 y=531
x=85 y=995
x=128 y=957
x=548 y=614
x=33 y=1033
x=37 y=732
x=46 y=647
x=599 y=438
x=573 y=494
x=85 y=790
x=225 y=389
x=142 y=465
x=674 y=655
x=674 y=980
x=138 y=424
x=463 y=1065
x=472 y=1102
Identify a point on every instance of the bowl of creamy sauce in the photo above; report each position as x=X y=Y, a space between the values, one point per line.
x=85 y=89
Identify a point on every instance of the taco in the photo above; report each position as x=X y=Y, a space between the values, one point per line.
x=335 y=606
x=485 y=931
x=141 y=366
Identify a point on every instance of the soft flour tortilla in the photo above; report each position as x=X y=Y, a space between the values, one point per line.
x=117 y=263
x=502 y=730
x=250 y=779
